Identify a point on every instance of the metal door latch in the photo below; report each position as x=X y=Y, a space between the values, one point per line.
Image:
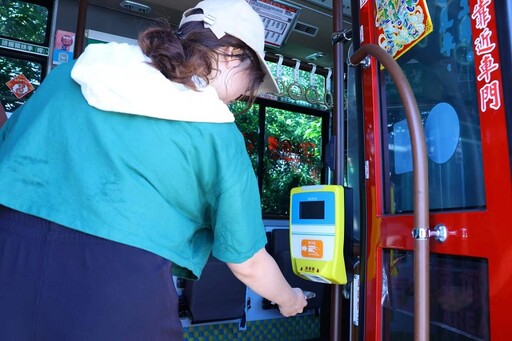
x=440 y=233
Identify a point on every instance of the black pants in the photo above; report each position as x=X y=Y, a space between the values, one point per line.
x=59 y=284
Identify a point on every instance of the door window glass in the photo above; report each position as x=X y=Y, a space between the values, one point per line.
x=441 y=72
x=459 y=301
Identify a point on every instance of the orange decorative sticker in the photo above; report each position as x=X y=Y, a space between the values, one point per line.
x=312 y=248
x=20 y=86
x=401 y=24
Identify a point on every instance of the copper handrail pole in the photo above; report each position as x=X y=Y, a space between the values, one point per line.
x=80 y=28
x=420 y=173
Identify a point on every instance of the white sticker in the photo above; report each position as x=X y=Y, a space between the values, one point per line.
x=355 y=300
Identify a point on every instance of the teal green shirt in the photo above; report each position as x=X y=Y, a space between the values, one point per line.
x=177 y=189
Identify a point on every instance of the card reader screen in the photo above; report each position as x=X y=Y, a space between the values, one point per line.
x=311 y=210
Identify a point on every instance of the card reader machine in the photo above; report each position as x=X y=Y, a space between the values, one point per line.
x=320 y=232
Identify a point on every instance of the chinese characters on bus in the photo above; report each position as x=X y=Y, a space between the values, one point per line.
x=486 y=56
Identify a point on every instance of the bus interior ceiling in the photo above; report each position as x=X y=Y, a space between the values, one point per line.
x=310 y=35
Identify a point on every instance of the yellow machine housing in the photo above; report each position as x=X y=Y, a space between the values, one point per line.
x=318 y=218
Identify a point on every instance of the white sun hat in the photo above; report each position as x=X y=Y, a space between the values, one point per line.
x=239 y=19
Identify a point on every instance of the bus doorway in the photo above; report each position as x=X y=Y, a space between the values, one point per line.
x=458 y=74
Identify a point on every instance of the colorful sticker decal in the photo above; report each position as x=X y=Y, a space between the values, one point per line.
x=401 y=24
x=63 y=47
x=20 y=86
x=312 y=248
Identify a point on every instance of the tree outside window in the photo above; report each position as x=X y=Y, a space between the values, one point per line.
x=292 y=145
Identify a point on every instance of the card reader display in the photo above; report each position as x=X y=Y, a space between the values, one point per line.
x=317 y=219
x=311 y=209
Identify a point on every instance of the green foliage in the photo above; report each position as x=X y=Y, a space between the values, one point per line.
x=248 y=124
x=24 y=21
x=292 y=157
x=292 y=152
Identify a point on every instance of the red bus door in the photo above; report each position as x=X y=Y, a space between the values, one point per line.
x=459 y=74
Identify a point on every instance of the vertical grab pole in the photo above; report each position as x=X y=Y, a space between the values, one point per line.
x=339 y=162
x=80 y=28
x=420 y=172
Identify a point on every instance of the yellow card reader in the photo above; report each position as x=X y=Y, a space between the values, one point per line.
x=321 y=233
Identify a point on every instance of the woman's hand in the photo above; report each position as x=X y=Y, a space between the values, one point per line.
x=262 y=275
x=295 y=305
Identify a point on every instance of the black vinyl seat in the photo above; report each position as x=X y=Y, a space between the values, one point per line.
x=217 y=296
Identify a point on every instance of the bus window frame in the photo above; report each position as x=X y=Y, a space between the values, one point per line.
x=27 y=58
x=265 y=103
x=44 y=61
x=50 y=5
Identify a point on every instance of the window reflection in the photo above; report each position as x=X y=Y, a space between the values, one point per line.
x=441 y=72
x=459 y=302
